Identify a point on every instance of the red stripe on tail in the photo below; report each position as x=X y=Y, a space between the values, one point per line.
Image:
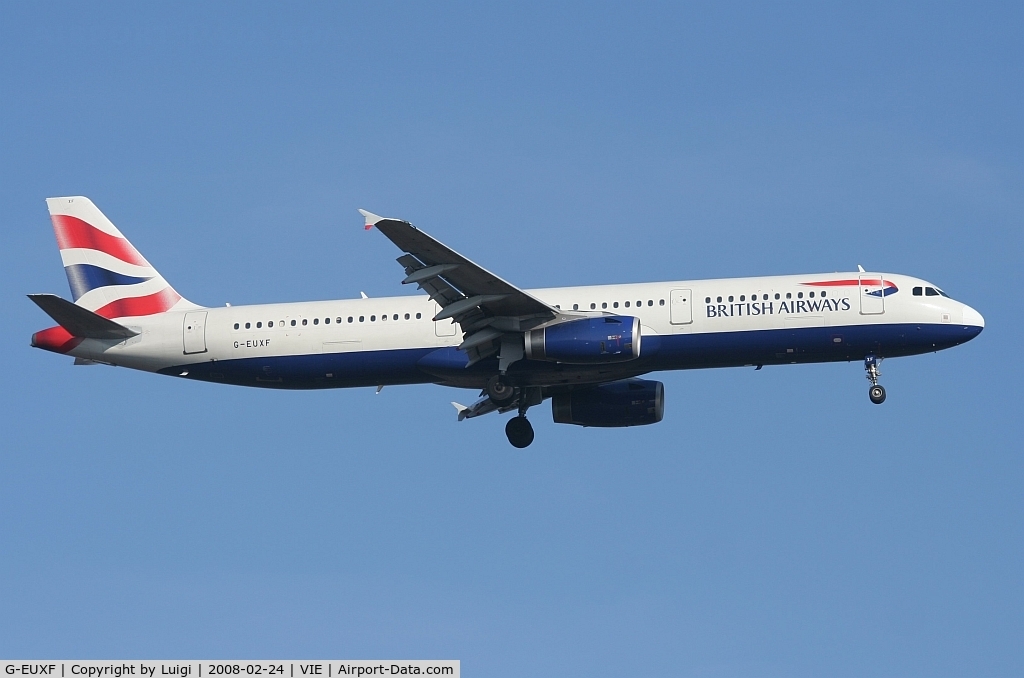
x=74 y=233
x=148 y=305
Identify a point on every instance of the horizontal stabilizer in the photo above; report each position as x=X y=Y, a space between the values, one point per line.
x=80 y=322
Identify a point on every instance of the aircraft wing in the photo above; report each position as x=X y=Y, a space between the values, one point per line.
x=484 y=305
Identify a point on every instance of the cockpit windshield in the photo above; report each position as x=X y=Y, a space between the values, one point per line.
x=930 y=292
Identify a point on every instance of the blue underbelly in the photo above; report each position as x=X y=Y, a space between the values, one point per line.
x=663 y=352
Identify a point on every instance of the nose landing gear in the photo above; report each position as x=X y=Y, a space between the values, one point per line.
x=876 y=393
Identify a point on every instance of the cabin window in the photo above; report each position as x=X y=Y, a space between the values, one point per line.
x=293 y=323
x=661 y=302
x=593 y=306
x=338 y=320
x=639 y=303
x=627 y=304
x=776 y=295
x=259 y=325
x=247 y=325
x=575 y=307
x=270 y=324
x=707 y=300
x=395 y=317
x=236 y=324
x=327 y=321
x=406 y=316
x=417 y=316
x=799 y=295
x=731 y=298
x=789 y=295
x=650 y=302
x=316 y=321
x=822 y=293
x=373 y=318
x=305 y=322
x=615 y=305
x=362 y=318
x=383 y=317
x=811 y=295
x=743 y=297
x=604 y=304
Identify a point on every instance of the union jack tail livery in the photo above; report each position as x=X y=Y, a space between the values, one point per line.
x=107 y=274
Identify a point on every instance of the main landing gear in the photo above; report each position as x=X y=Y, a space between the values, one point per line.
x=876 y=393
x=500 y=390
x=519 y=431
x=503 y=394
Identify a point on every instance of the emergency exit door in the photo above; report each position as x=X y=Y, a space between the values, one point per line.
x=194 y=331
x=681 y=307
x=446 y=327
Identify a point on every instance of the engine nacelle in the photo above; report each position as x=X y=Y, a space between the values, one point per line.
x=607 y=339
x=630 y=402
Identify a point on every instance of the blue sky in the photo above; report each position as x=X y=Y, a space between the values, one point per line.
x=774 y=524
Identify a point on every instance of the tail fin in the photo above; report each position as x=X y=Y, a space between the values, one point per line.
x=107 y=275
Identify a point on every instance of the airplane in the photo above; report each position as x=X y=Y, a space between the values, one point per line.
x=584 y=348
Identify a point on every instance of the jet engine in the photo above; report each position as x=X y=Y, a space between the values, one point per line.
x=630 y=402
x=607 y=339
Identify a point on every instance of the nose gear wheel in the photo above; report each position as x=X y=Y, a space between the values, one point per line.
x=876 y=393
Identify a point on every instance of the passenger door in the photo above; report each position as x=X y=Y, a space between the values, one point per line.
x=194 y=331
x=872 y=295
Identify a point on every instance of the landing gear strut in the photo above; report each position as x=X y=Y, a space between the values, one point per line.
x=876 y=393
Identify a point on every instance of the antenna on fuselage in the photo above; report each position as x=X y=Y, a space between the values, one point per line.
x=861 y=269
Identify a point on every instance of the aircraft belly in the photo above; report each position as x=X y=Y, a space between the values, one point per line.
x=805 y=345
x=313 y=370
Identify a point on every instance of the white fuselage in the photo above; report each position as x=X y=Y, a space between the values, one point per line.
x=685 y=322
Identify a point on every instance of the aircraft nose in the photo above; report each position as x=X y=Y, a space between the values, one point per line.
x=973 y=318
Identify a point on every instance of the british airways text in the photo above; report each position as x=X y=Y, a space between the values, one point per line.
x=768 y=307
